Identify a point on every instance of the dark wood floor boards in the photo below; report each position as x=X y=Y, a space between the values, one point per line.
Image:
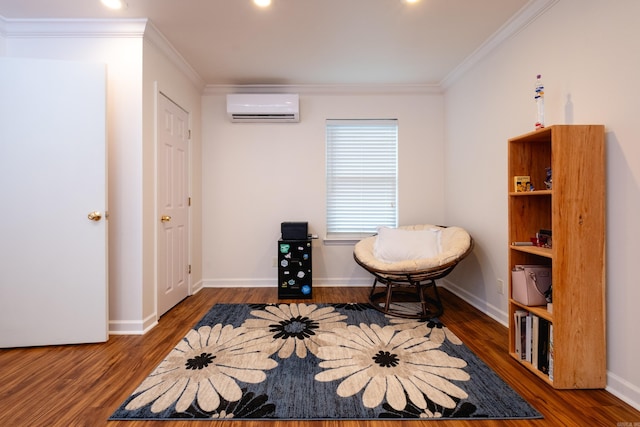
x=81 y=385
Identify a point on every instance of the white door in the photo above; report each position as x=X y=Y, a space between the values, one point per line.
x=173 y=204
x=53 y=258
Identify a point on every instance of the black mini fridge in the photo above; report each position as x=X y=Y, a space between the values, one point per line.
x=294 y=269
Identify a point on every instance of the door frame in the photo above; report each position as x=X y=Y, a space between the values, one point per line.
x=158 y=93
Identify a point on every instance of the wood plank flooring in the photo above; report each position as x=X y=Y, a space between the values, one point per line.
x=81 y=385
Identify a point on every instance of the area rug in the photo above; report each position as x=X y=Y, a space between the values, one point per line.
x=320 y=362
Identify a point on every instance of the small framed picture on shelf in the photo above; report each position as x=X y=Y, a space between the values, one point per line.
x=544 y=238
x=521 y=183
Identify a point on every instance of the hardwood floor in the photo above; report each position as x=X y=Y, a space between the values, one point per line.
x=81 y=385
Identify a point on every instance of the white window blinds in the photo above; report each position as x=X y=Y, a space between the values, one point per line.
x=361 y=176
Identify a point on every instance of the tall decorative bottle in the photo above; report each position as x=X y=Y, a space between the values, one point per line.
x=539 y=97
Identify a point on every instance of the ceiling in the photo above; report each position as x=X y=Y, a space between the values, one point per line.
x=306 y=42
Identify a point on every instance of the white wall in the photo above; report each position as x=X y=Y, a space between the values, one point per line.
x=587 y=52
x=3 y=39
x=123 y=56
x=256 y=176
x=136 y=68
x=164 y=72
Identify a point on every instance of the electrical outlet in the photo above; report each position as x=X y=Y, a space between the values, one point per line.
x=500 y=286
x=274 y=262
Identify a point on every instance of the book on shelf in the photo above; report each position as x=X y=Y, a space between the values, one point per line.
x=520 y=331
x=550 y=356
x=533 y=340
x=521 y=183
x=543 y=345
x=528 y=337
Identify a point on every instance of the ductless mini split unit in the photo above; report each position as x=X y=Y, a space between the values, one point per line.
x=263 y=107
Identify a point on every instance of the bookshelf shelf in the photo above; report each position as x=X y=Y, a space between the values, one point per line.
x=531 y=193
x=574 y=210
x=535 y=250
x=529 y=366
x=538 y=311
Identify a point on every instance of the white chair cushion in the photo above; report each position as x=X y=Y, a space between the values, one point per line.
x=398 y=244
x=454 y=242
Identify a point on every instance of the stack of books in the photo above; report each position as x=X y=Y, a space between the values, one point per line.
x=534 y=341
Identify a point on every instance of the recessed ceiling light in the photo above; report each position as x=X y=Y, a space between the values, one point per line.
x=262 y=3
x=113 y=4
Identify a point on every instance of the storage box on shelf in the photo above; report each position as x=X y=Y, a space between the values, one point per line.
x=574 y=209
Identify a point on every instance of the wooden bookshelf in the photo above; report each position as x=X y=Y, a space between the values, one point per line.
x=574 y=209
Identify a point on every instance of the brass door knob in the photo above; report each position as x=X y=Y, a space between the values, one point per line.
x=165 y=218
x=95 y=216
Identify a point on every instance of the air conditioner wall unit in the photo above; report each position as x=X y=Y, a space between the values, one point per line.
x=263 y=107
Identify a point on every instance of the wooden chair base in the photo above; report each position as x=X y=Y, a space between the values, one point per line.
x=410 y=283
x=397 y=299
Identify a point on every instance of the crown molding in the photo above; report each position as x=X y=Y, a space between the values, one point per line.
x=98 y=28
x=528 y=14
x=328 y=89
x=155 y=37
x=138 y=28
x=518 y=22
x=62 y=28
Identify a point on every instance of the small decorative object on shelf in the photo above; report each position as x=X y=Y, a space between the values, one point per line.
x=539 y=97
x=521 y=183
x=547 y=180
x=544 y=238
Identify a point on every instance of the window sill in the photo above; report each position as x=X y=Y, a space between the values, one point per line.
x=346 y=239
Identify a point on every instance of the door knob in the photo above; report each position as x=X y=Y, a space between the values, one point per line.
x=165 y=218
x=95 y=216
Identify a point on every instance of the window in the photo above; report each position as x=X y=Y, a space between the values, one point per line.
x=361 y=176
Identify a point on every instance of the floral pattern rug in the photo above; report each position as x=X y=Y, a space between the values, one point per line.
x=320 y=361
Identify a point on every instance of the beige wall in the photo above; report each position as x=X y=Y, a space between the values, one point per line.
x=587 y=54
x=162 y=74
x=123 y=56
x=3 y=41
x=257 y=175
x=136 y=69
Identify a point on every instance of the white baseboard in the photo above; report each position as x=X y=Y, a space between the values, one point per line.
x=132 y=327
x=622 y=389
x=490 y=310
x=270 y=283
x=195 y=288
x=141 y=327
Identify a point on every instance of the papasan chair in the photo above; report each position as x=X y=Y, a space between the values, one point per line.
x=408 y=260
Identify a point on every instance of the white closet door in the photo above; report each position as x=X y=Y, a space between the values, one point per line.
x=53 y=257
